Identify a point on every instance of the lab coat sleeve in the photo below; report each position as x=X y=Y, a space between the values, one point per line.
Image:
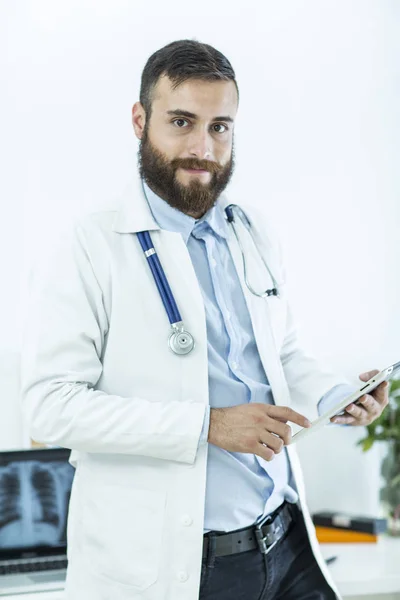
x=308 y=379
x=63 y=337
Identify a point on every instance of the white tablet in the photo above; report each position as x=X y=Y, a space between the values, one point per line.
x=366 y=388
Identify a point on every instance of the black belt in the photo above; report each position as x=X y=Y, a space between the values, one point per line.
x=264 y=535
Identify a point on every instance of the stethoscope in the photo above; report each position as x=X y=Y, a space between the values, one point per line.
x=181 y=341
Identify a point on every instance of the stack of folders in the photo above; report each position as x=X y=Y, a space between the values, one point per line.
x=338 y=528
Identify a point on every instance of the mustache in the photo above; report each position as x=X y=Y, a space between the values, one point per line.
x=192 y=163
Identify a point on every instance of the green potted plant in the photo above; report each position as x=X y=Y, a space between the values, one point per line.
x=387 y=429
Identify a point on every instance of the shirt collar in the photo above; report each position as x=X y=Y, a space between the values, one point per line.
x=172 y=219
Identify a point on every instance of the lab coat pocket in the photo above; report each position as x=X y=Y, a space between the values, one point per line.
x=123 y=530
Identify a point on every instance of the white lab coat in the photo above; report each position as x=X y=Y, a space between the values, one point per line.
x=99 y=378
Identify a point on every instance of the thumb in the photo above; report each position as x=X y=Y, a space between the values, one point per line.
x=368 y=374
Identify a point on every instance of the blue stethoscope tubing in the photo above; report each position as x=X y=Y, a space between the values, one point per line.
x=181 y=341
x=160 y=278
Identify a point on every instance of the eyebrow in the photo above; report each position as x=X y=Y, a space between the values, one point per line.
x=184 y=113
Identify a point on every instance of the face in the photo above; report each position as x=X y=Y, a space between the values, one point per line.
x=186 y=152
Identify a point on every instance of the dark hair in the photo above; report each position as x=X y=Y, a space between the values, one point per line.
x=180 y=61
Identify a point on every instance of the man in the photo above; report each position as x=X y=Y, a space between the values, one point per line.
x=186 y=486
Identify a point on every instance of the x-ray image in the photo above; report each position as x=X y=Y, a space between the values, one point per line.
x=34 y=499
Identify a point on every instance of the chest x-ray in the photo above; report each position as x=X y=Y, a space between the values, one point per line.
x=34 y=498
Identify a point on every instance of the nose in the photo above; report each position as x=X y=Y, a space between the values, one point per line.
x=200 y=145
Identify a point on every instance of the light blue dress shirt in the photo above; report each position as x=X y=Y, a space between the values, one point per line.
x=239 y=491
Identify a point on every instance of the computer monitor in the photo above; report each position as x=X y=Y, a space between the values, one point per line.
x=35 y=488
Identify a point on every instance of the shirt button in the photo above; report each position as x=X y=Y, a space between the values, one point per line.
x=228 y=316
x=187 y=520
x=183 y=576
x=213 y=262
x=235 y=365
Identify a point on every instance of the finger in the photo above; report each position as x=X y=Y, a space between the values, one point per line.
x=265 y=452
x=283 y=430
x=368 y=374
x=344 y=420
x=287 y=413
x=280 y=419
x=372 y=407
x=358 y=412
x=381 y=393
x=272 y=441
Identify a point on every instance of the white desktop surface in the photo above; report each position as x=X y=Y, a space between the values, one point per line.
x=360 y=570
x=366 y=569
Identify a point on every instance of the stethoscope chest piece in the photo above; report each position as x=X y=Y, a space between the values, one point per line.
x=181 y=341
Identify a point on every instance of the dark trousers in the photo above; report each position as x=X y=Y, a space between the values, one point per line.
x=288 y=572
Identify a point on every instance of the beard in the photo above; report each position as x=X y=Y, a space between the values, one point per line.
x=196 y=198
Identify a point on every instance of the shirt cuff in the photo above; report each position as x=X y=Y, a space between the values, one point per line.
x=206 y=426
x=334 y=396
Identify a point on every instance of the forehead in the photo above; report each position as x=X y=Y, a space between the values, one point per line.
x=204 y=98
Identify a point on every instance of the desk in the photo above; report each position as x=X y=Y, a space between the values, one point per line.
x=366 y=570
x=370 y=571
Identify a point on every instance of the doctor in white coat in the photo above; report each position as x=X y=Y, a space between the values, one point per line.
x=186 y=486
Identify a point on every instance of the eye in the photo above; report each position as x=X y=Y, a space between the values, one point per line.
x=220 y=125
x=178 y=122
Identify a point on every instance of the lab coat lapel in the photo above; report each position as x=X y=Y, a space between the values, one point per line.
x=259 y=309
x=135 y=215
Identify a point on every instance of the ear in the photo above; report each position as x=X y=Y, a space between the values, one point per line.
x=138 y=119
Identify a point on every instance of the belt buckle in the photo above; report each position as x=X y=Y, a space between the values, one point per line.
x=261 y=539
x=264 y=549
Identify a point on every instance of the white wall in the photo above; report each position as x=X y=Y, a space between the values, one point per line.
x=316 y=146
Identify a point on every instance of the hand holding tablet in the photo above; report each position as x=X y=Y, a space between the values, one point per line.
x=366 y=388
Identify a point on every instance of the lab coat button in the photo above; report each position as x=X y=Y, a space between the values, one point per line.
x=186 y=520
x=183 y=576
